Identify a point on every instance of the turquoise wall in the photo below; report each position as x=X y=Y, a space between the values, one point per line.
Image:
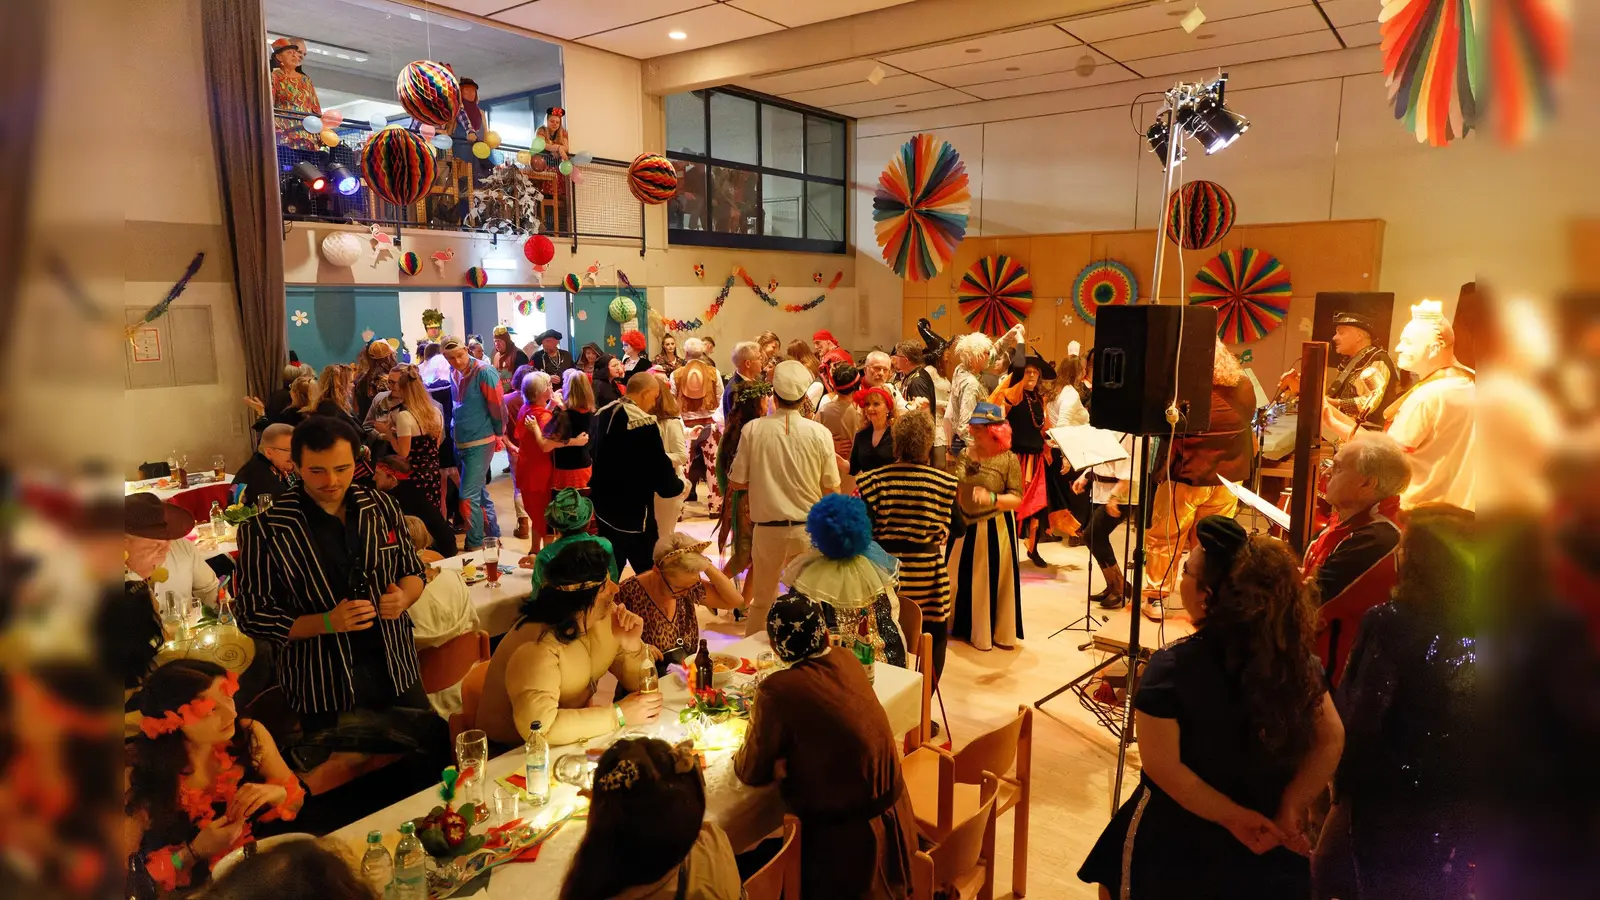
x=337 y=321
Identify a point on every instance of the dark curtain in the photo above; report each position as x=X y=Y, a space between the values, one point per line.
x=21 y=96
x=247 y=169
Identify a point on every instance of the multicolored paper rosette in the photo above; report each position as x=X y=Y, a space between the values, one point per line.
x=571 y=283
x=920 y=208
x=410 y=263
x=652 y=178
x=1250 y=291
x=430 y=92
x=477 y=277
x=1432 y=65
x=398 y=165
x=995 y=294
x=1103 y=283
x=1529 y=50
x=1201 y=213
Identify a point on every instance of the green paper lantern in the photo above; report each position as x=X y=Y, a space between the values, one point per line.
x=623 y=310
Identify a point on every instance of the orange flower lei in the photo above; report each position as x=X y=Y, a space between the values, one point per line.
x=187 y=714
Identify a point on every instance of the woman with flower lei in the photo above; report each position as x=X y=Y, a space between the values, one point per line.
x=202 y=778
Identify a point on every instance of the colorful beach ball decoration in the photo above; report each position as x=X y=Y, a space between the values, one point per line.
x=341 y=249
x=1201 y=213
x=1250 y=291
x=1103 y=283
x=398 y=165
x=995 y=294
x=410 y=263
x=524 y=306
x=623 y=310
x=539 y=249
x=430 y=92
x=571 y=283
x=477 y=277
x=920 y=208
x=652 y=178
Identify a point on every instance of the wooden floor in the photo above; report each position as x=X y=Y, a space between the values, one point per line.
x=1074 y=758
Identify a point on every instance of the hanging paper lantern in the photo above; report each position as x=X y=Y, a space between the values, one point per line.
x=1202 y=213
x=539 y=249
x=995 y=294
x=398 y=165
x=524 y=306
x=565 y=167
x=429 y=92
x=477 y=277
x=920 y=208
x=1101 y=284
x=623 y=310
x=330 y=137
x=410 y=263
x=571 y=283
x=1250 y=291
x=652 y=178
x=311 y=124
x=341 y=249
x=538 y=303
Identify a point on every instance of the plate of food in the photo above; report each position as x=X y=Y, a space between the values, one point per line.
x=267 y=843
x=472 y=573
x=726 y=665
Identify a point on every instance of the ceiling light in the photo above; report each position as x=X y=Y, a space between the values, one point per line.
x=974 y=49
x=1209 y=119
x=876 y=75
x=1194 y=19
x=677 y=35
x=1013 y=68
x=1159 y=139
x=1086 y=65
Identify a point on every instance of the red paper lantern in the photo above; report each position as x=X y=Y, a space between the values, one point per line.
x=539 y=249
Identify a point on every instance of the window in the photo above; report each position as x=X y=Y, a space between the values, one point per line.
x=755 y=173
x=515 y=118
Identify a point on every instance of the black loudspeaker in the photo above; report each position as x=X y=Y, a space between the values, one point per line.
x=1379 y=308
x=1140 y=353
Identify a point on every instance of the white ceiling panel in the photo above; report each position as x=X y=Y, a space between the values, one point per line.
x=476 y=7
x=1041 y=84
x=1221 y=33
x=1014 y=67
x=1159 y=16
x=572 y=19
x=1351 y=12
x=993 y=46
x=792 y=13
x=816 y=78
x=1363 y=35
x=1222 y=57
x=864 y=90
x=708 y=25
x=929 y=100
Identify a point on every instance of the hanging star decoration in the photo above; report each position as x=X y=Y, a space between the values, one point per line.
x=160 y=309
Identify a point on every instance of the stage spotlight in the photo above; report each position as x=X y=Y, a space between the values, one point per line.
x=1160 y=139
x=343 y=180
x=310 y=176
x=1210 y=120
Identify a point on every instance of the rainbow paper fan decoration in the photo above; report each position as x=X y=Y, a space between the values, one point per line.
x=398 y=165
x=1250 y=291
x=920 y=208
x=1432 y=65
x=571 y=283
x=430 y=92
x=410 y=263
x=1201 y=213
x=477 y=277
x=1103 y=283
x=1529 y=48
x=995 y=294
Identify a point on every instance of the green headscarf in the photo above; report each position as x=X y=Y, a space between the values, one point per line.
x=569 y=512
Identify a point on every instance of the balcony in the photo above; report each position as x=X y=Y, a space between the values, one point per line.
x=593 y=204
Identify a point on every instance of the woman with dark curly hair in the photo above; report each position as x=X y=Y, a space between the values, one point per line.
x=1237 y=735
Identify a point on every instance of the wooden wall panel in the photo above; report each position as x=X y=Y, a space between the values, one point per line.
x=1584 y=243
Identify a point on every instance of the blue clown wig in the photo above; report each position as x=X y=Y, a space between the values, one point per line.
x=839 y=526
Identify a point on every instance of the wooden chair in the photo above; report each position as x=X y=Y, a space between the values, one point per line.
x=962 y=864
x=944 y=786
x=779 y=879
x=471 y=695
x=445 y=665
x=919 y=650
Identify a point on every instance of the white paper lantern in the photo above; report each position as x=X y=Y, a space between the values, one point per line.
x=341 y=249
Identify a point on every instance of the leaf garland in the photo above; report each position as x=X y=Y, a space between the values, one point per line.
x=789 y=307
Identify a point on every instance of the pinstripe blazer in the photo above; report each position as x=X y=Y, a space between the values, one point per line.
x=280 y=579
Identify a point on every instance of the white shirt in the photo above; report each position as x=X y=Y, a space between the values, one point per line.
x=188 y=575
x=788 y=462
x=1125 y=469
x=1069 y=409
x=435 y=370
x=941 y=398
x=1436 y=425
x=443 y=611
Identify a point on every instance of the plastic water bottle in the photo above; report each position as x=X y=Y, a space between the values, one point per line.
x=376 y=866
x=536 y=766
x=410 y=866
x=219 y=525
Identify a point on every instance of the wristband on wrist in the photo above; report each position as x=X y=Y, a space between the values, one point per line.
x=622 y=718
x=177 y=859
x=327 y=622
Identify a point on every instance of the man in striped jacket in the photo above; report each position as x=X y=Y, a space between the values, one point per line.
x=325 y=577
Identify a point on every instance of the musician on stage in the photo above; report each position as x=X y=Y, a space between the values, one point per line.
x=1367 y=382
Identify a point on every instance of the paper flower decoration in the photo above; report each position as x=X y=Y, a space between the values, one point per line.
x=367 y=335
x=299 y=318
x=1201 y=213
x=430 y=92
x=341 y=249
x=623 y=310
x=398 y=165
x=611 y=340
x=410 y=263
x=539 y=249
x=652 y=178
x=524 y=307
x=699 y=271
x=571 y=283
x=1250 y=291
x=920 y=208
x=477 y=277
x=995 y=294
x=1102 y=283
x=583 y=315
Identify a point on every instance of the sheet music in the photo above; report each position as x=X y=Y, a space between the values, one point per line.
x=1086 y=445
x=1253 y=500
x=1262 y=397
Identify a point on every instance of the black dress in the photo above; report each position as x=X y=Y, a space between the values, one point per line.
x=866 y=456
x=1169 y=852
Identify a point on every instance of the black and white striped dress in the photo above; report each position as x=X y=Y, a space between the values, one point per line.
x=910 y=507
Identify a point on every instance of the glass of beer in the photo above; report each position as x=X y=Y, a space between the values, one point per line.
x=219 y=466
x=491 y=559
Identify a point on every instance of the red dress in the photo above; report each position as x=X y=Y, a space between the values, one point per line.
x=533 y=465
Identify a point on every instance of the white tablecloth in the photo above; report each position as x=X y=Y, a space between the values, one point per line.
x=1277 y=441
x=746 y=813
x=496 y=604
x=167 y=493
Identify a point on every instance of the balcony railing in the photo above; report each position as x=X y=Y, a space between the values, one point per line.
x=597 y=204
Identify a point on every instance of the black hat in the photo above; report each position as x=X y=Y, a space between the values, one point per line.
x=1358 y=321
x=548 y=333
x=931 y=340
x=1046 y=370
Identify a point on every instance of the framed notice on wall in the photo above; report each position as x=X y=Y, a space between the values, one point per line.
x=147 y=345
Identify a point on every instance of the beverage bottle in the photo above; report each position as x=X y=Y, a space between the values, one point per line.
x=180 y=472
x=863 y=650
x=376 y=866
x=410 y=866
x=705 y=672
x=139 y=884
x=536 y=766
x=219 y=525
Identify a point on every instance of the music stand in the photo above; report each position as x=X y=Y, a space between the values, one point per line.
x=1085 y=447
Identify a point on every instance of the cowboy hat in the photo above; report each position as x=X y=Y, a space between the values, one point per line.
x=146 y=515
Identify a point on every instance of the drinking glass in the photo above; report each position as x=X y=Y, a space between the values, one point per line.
x=472 y=758
x=649 y=682
x=203 y=532
x=491 y=559
x=263 y=503
x=506 y=808
x=219 y=466
x=575 y=769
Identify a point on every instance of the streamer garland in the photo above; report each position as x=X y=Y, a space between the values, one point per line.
x=710 y=313
x=788 y=307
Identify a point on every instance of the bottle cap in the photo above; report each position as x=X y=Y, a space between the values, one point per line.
x=374 y=837
x=408 y=828
x=535 y=726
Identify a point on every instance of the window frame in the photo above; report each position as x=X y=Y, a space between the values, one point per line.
x=709 y=237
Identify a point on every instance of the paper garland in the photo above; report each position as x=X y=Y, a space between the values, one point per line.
x=766 y=296
x=1100 y=284
x=696 y=324
x=995 y=294
x=920 y=208
x=160 y=309
x=1250 y=291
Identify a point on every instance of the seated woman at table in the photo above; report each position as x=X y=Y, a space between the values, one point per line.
x=154 y=539
x=571 y=633
x=666 y=596
x=679 y=855
x=203 y=779
x=818 y=730
x=851 y=576
x=568 y=515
